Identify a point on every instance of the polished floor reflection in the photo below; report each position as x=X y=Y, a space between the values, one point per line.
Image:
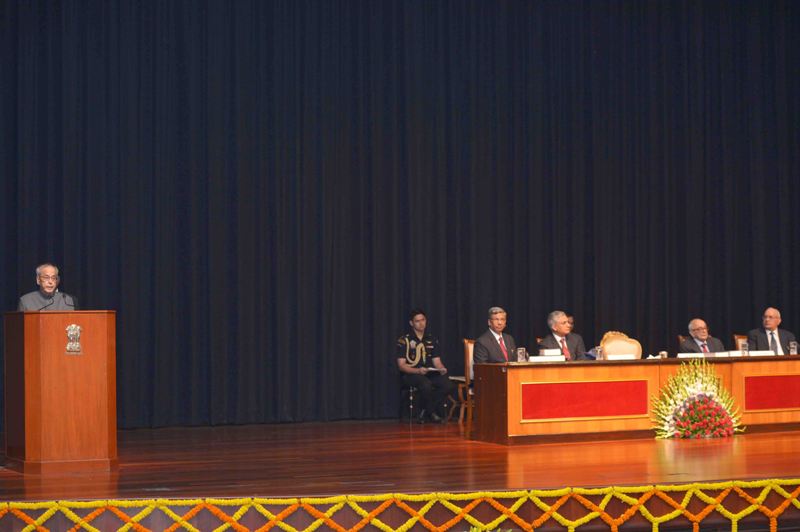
x=387 y=456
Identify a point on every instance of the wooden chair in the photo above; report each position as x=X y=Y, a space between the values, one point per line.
x=738 y=340
x=681 y=339
x=408 y=401
x=618 y=343
x=466 y=398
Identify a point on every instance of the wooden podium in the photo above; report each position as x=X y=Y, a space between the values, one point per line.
x=60 y=391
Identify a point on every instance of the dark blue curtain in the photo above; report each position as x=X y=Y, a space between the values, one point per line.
x=262 y=189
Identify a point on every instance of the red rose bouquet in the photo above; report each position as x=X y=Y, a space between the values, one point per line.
x=693 y=404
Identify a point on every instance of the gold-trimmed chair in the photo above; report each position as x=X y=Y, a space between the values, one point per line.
x=618 y=343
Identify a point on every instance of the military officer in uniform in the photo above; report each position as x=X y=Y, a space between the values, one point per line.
x=421 y=366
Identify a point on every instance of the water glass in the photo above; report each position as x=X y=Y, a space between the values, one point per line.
x=745 y=348
x=792 y=347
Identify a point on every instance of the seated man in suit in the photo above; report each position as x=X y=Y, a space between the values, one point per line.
x=494 y=345
x=770 y=337
x=561 y=337
x=47 y=297
x=700 y=341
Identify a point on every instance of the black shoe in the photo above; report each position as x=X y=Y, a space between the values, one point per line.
x=421 y=417
x=436 y=418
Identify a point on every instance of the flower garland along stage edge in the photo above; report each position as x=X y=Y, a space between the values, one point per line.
x=663 y=506
x=694 y=404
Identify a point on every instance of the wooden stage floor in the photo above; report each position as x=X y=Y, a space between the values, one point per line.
x=372 y=457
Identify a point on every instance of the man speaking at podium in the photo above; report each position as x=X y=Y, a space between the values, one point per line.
x=47 y=297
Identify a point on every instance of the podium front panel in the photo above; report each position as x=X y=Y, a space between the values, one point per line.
x=61 y=390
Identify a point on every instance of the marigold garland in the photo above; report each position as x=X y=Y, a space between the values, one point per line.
x=694 y=404
x=230 y=511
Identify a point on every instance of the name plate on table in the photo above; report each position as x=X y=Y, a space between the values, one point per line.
x=765 y=353
x=720 y=354
x=548 y=358
x=620 y=356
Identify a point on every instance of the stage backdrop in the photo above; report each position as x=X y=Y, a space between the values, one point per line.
x=262 y=189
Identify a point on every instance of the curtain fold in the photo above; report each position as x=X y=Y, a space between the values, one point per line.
x=263 y=189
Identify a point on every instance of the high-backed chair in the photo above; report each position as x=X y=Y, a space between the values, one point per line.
x=537 y=346
x=618 y=343
x=465 y=400
x=456 y=400
x=738 y=340
x=681 y=339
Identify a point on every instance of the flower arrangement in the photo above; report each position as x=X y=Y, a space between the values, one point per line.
x=693 y=404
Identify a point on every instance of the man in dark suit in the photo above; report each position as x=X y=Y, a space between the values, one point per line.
x=770 y=337
x=494 y=345
x=562 y=338
x=700 y=341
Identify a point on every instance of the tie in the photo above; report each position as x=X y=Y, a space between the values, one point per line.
x=503 y=347
x=704 y=347
x=564 y=349
x=772 y=343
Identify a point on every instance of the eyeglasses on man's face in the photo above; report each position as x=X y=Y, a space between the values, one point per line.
x=48 y=277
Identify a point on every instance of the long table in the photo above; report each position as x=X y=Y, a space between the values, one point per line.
x=585 y=400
